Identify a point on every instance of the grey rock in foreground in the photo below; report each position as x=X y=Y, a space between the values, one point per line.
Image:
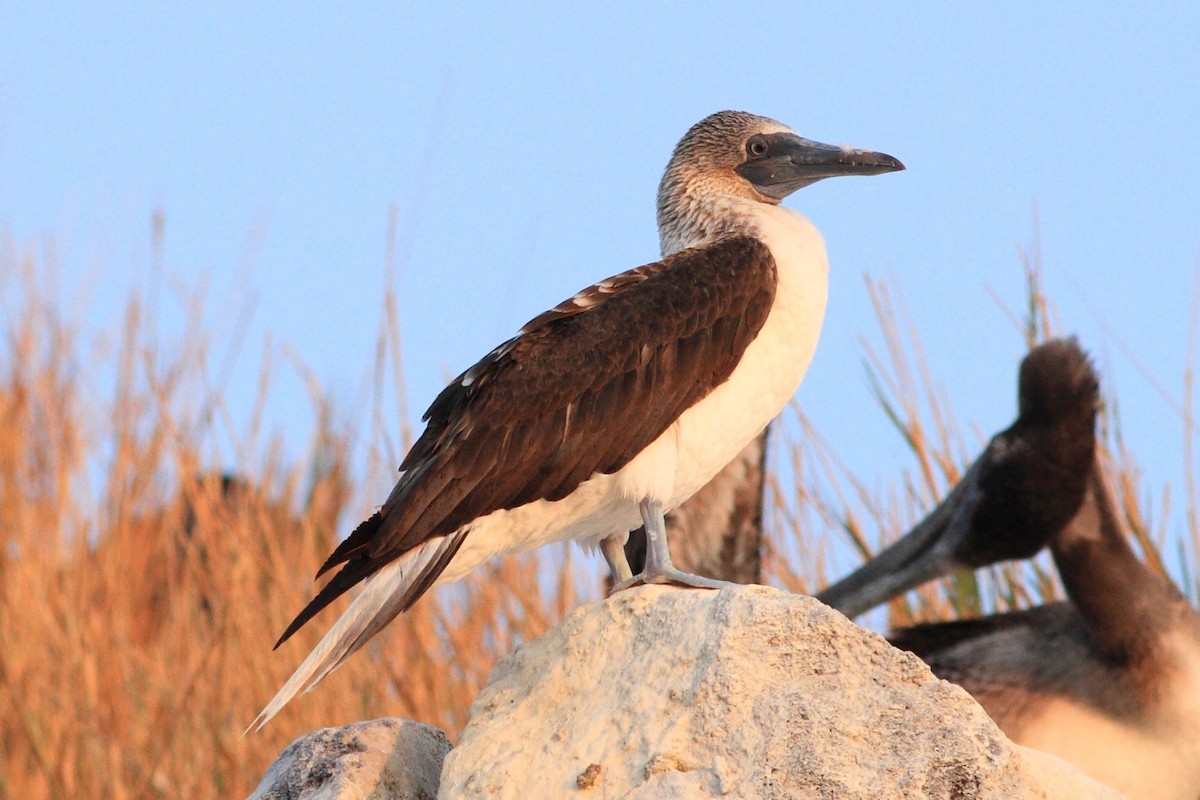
x=381 y=759
x=661 y=692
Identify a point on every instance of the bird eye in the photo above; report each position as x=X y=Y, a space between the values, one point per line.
x=757 y=146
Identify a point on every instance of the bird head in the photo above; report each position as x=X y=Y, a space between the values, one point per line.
x=733 y=154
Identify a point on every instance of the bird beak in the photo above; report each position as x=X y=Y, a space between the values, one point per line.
x=791 y=163
x=926 y=552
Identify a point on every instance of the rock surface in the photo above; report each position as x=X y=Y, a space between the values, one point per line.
x=661 y=692
x=381 y=759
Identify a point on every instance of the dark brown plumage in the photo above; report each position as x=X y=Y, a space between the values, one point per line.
x=1037 y=470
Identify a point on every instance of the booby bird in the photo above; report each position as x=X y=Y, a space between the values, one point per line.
x=1108 y=680
x=618 y=404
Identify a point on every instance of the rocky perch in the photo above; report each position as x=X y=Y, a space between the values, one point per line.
x=749 y=692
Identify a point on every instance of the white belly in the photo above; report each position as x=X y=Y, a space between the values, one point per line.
x=706 y=437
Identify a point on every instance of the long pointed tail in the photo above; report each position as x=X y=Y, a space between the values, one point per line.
x=384 y=595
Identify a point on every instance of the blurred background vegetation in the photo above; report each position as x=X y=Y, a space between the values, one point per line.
x=152 y=552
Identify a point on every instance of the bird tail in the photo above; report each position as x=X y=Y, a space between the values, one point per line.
x=384 y=595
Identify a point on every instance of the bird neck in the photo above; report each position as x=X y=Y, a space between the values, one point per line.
x=694 y=211
x=705 y=220
x=1126 y=607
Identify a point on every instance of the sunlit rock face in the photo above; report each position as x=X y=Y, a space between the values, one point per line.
x=663 y=692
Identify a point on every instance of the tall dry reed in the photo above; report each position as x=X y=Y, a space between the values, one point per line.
x=147 y=565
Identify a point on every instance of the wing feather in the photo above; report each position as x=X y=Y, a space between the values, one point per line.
x=650 y=342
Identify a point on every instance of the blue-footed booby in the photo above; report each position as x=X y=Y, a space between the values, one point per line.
x=1108 y=680
x=618 y=404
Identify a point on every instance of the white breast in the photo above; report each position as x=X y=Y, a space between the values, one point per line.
x=711 y=433
x=708 y=435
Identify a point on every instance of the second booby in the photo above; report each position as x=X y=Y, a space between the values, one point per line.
x=1024 y=488
x=618 y=404
x=1108 y=680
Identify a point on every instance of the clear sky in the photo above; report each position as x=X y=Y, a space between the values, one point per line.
x=522 y=148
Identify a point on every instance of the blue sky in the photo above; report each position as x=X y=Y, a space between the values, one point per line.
x=522 y=148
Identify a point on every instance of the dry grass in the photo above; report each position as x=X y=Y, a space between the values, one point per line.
x=141 y=588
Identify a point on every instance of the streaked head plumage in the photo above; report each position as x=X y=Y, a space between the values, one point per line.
x=738 y=156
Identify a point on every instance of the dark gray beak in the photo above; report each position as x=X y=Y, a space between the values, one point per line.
x=780 y=163
x=926 y=552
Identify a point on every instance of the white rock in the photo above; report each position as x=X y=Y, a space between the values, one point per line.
x=381 y=759
x=662 y=692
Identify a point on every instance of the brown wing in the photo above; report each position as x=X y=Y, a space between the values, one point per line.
x=928 y=640
x=1011 y=663
x=581 y=390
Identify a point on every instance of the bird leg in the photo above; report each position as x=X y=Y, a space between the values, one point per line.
x=659 y=568
x=613 y=548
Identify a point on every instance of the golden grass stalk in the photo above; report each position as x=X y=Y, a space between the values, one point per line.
x=144 y=574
